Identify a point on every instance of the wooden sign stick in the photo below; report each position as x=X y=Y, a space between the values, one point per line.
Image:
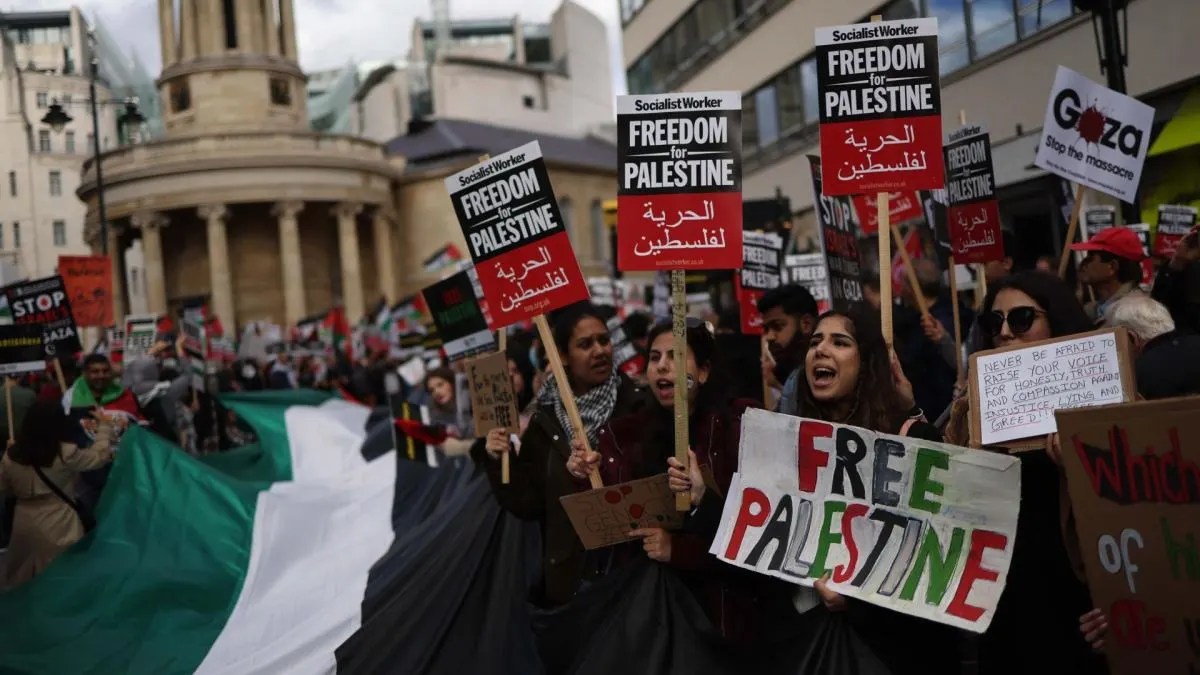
x=1072 y=226
x=683 y=500
x=958 y=361
x=910 y=272
x=502 y=343
x=564 y=392
x=885 y=265
x=58 y=371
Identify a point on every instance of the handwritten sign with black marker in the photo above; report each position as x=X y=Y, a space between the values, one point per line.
x=1015 y=391
x=492 y=401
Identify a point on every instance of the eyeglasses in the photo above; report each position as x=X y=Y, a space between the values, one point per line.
x=1019 y=319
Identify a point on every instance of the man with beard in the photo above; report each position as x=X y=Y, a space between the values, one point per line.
x=789 y=314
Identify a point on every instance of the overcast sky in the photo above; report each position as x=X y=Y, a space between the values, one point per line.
x=333 y=32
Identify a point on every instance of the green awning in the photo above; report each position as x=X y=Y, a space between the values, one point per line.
x=1183 y=130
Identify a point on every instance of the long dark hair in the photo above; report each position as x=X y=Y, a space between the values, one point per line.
x=42 y=432
x=712 y=397
x=877 y=405
x=1063 y=311
x=518 y=353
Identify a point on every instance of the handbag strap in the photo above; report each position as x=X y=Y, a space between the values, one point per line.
x=58 y=491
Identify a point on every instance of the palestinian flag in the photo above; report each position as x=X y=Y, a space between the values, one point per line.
x=443 y=257
x=335 y=331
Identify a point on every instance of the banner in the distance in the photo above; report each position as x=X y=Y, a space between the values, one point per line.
x=88 y=279
x=44 y=302
x=839 y=240
x=1174 y=222
x=460 y=322
x=760 y=273
x=21 y=349
x=808 y=270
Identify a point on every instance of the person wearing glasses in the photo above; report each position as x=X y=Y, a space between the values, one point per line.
x=1112 y=268
x=1045 y=605
x=538 y=476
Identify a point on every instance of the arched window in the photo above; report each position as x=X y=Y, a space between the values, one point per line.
x=599 y=232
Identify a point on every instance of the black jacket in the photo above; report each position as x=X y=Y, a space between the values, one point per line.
x=1180 y=292
x=538 y=477
x=1169 y=366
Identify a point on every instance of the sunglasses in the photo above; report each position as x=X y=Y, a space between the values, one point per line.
x=1019 y=319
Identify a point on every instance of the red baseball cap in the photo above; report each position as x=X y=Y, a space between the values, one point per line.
x=1119 y=241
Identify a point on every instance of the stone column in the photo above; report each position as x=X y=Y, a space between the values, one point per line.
x=271 y=29
x=382 y=240
x=151 y=224
x=116 y=261
x=352 y=290
x=288 y=23
x=246 y=14
x=290 y=258
x=166 y=32
x=188 y=27
x=220 y=277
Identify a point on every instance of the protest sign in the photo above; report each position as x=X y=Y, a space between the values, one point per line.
x=973 y=214
x=604 y=517
x=839 y=243
x=881 y=111
x=902 y=207
x=1096 y=218
x=660 y=305
x=760 y=273
x=808 y=270
x=1015 y=390
x=679 y=199
x=1142 y=230
x=493 y=403
x=88 y=280
x=1174 y=222
x=1133 y=474
x=626 y=356
x=44 y=302
x=195 y=345
x=21 y=349
x=140 y=331
x=922 y=528
x=1094 y=136
x=460 y=323
x=603 y=291
x=510 y=218
x=114 y=339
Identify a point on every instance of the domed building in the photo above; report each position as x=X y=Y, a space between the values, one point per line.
x=239 y=201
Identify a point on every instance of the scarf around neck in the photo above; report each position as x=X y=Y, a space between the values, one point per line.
x=595 y=406
x=82 y=397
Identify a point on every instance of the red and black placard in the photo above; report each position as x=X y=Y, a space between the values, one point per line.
x=881 y=124
x=679 y=199
x=45 y=302
x=902 y=207
x=973 y=213
x=840 y=242
x=1174 y=223
x=515 y=234
x=458 y=316
x=760 y=273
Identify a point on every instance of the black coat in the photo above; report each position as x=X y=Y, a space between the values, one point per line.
x=538 y=477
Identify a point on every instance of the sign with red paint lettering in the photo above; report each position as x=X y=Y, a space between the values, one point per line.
x=922 y=528
x=881 y=107
x=605 y=516
x=1133 y=473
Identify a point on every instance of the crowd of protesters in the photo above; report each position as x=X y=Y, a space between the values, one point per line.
x=834 y=366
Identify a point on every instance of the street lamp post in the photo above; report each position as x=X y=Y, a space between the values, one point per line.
x=57 y=118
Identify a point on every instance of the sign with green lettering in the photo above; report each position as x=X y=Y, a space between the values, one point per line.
x=921 y=528
x=459 y=319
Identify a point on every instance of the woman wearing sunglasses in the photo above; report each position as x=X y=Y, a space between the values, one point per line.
x=1043 y=599
x=641 y=445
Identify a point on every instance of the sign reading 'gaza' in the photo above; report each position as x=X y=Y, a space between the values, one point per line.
x=44 y=302
x=1094 y=136
x=881 y=125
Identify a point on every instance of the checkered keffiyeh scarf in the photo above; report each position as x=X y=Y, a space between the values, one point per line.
x=595 y=406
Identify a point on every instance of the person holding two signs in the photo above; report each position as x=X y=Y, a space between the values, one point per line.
x=1044 y=603
x=538 y=474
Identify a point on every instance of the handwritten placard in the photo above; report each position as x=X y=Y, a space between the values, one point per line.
x=605 y=516
x=1015 y=391
x=493 y=403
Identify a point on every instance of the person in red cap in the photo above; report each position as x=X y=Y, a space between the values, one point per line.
x=1112 y=268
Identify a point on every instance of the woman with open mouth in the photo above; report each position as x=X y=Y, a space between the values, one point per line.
x=538 y=475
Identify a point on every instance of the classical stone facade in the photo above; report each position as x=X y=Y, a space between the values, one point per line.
x=240 y=203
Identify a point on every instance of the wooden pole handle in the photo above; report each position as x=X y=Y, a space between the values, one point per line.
x=910 y=272
x=578 y=431
x=884 y=236
x=1072 y=227
x=683 y=500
